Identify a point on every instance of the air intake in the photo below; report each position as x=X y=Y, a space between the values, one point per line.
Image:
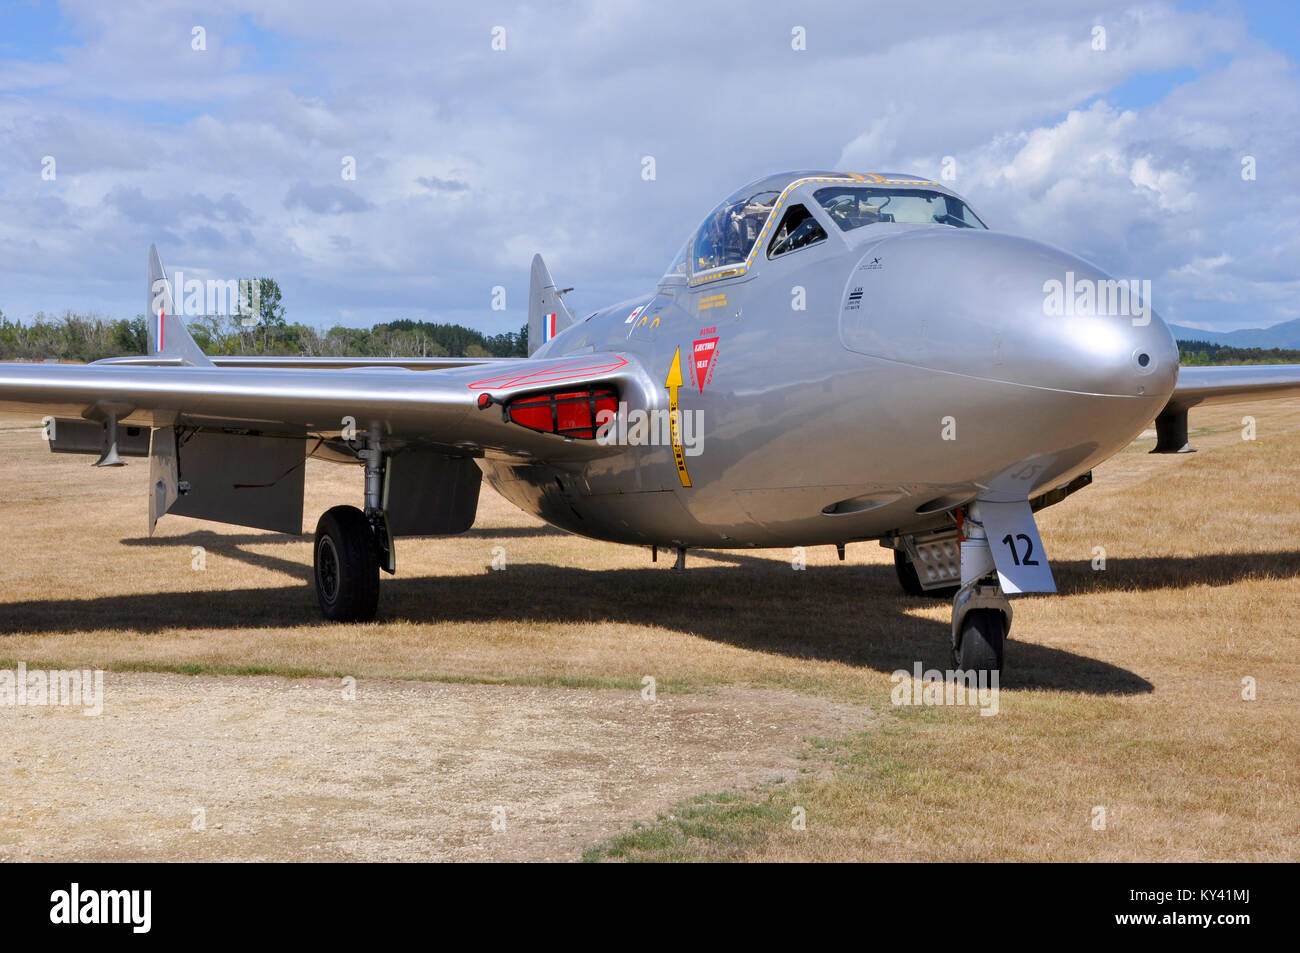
x=569 y=413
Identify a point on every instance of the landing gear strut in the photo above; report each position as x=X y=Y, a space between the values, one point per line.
x=352 y=546
x=981 y=614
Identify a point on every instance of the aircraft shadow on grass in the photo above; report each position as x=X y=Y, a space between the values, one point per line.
x=853 y=614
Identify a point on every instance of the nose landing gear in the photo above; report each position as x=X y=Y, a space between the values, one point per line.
x=981 y=614
x=981 y=617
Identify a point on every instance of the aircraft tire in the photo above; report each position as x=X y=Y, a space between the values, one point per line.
x=983 y=633
x=911 y=583
x=346 y=561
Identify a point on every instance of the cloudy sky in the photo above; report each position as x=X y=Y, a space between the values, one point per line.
x=469 y=159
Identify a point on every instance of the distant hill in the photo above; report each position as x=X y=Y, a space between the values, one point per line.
x=1285 y=335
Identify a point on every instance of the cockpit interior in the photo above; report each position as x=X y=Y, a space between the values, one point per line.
x=769 y=209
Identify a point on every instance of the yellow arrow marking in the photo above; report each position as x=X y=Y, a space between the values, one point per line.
x=673 y=382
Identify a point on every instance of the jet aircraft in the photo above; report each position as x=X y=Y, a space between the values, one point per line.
x=859 y=355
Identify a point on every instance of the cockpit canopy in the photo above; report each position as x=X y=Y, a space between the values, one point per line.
x=724 y=244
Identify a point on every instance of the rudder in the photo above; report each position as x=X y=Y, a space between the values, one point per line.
x=167 y=335
x=547 y=315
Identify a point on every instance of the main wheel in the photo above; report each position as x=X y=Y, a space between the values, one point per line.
x=347 y=565
x=911 y=582
x=983 y=632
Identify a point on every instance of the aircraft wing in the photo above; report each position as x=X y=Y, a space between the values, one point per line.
x=419 y=407
x=1220 y=385
x=1230 y=385
x=227 y=438
x=315 y=363
x=456 y=404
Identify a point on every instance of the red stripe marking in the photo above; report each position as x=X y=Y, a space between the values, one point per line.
x=550 y=375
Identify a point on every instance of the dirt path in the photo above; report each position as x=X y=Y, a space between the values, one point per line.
x=290 y=770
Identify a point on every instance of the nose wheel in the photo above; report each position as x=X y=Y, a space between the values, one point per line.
x=983 y=632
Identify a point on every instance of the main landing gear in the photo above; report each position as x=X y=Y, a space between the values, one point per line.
x=347 y=565
x=353 y=545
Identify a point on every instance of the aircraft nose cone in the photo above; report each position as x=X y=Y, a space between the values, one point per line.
x=1008 y=309
x=1100 y=334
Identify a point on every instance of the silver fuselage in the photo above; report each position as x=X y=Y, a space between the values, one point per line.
x=860 y=415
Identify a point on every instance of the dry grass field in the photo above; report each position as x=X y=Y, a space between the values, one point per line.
x=523 y=687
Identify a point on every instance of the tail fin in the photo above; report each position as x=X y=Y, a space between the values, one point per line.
x=168 y=336
x=547 y=315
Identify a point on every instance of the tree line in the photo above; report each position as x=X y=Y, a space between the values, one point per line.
x=1204 y=353
x=89 y=337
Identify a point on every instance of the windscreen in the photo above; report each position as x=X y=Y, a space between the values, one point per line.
x=855 y=206
x=729 y=233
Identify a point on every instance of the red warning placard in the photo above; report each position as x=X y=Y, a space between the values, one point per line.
x=703 y=352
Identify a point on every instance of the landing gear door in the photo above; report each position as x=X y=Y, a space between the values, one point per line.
x=162 y=473
x=241 y=479
x=1016 y=546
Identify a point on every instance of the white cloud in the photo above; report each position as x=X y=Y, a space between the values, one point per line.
x=547 y=139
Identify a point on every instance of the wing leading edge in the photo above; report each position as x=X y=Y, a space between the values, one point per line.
x=1229 y=385
x=315 y=363
x=1220 y=385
